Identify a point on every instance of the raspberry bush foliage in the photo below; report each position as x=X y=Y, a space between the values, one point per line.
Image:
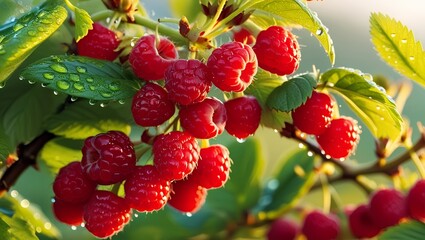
x=148 y=127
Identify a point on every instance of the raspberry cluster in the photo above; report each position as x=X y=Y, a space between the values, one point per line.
x=176 y=113
x=337 y=136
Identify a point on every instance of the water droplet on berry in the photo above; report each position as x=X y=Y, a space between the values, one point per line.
x=60 y=68
x=240 y=140
x=48 y=76
x=136 y=215
x=32 y=33
x=82 y=225
x=64 y=85
x=81 y=69
x=403 y=40
x=392 y=34
x=310 y=153
x=17 y=27
x=73 y=99
x=74 y=228
x=327 y=156
x=74 y=77
x=188 y=214
x=78 y=86
x=115 y=86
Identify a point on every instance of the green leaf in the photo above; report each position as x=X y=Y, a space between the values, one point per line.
x=246 y=171
x=17 y=229
x=264 y=84
x=5 y=147
x=25 y=115
x=81 y=120
x=59 y=152
x=83 y=23
x=20 y=39
x=292 y=181
x=398 y=47
x=292 y=93
x=295 y=12
x=83 y=77
x=368 y=100
x=407 y=230
x=28 y=218
x=187 y=8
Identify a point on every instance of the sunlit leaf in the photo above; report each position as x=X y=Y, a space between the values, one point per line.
x=367 y=100
x=292 y=93
x=188 y=8
x=398 y=47
x=83 y=23
x=294 y=12
x=24 y=35
x=83 y=77
x=407 y=230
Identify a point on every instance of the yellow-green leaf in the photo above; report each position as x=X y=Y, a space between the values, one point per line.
x=398 y=47
x=83 y=23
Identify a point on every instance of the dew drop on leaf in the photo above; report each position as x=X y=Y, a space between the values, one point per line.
x=74 y=77
x=44 y=84
x=31 y=81
x=92 y=87
x=81 y=69
x=89 y=80
x=64 y=85
x=32 y=33
x=17 y=27
x=121 y=101
x=73 y=99
x=115 y=86
x=411 y=58
x=92 y=102
x=2 y=84
x=48 y=76
x=403 y=40
x=392 y=35
x=106 y=94
x=319 y=32
x=60 y=68
x=78 y=86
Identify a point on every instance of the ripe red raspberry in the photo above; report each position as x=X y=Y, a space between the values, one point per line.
x=108 y=158
x=68 y=213
x=187 y=196
x=415 y=201
x=187 y=81
x=314 y=115
x=243 y=36
x=232 y=66
x=151 y=106
x=149 y=58
x=277 y=51
x=205 y=119
x=106 y=214
x=360 y=223
x=340 y=138
x=282 y=229
x=71 y=185
x=319 y=226
x=213 y=167
x=100 y=43
x=145 y=190
x=175 y=154
x=387 y=207
x=243 y=116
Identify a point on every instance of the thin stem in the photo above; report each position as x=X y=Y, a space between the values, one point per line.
x=174 y=34
x=418 y=164
x=326 y=193
x=70 y=5
x=214 y=20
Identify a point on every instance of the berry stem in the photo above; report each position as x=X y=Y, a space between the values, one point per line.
x=326 y=193
x=162 y=29
x=418 y=164
x=213 y=22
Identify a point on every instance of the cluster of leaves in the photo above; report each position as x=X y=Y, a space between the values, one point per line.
x=81 y=84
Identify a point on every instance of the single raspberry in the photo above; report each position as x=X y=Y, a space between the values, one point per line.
x=145 y=190
x=319 y=226
x=151 y=106
x=68 y=213
x=243 y=116
x=282 y=229
x=277 y=50
x=232 y=66
x=213 y=167
x=106 y=214
x=187 y=81
x=205 y=119
x=149 y=59
x=175 y=154
x=360 y=223
x=243 y=36
x=387 y=207
x=315 y=114
x=187 y=196
x=71 y=185
x=340 y=137
x=100 y=43
x=415 y=201
x=108 y=158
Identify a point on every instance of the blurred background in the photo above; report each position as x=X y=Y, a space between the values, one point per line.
x=348 y=23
